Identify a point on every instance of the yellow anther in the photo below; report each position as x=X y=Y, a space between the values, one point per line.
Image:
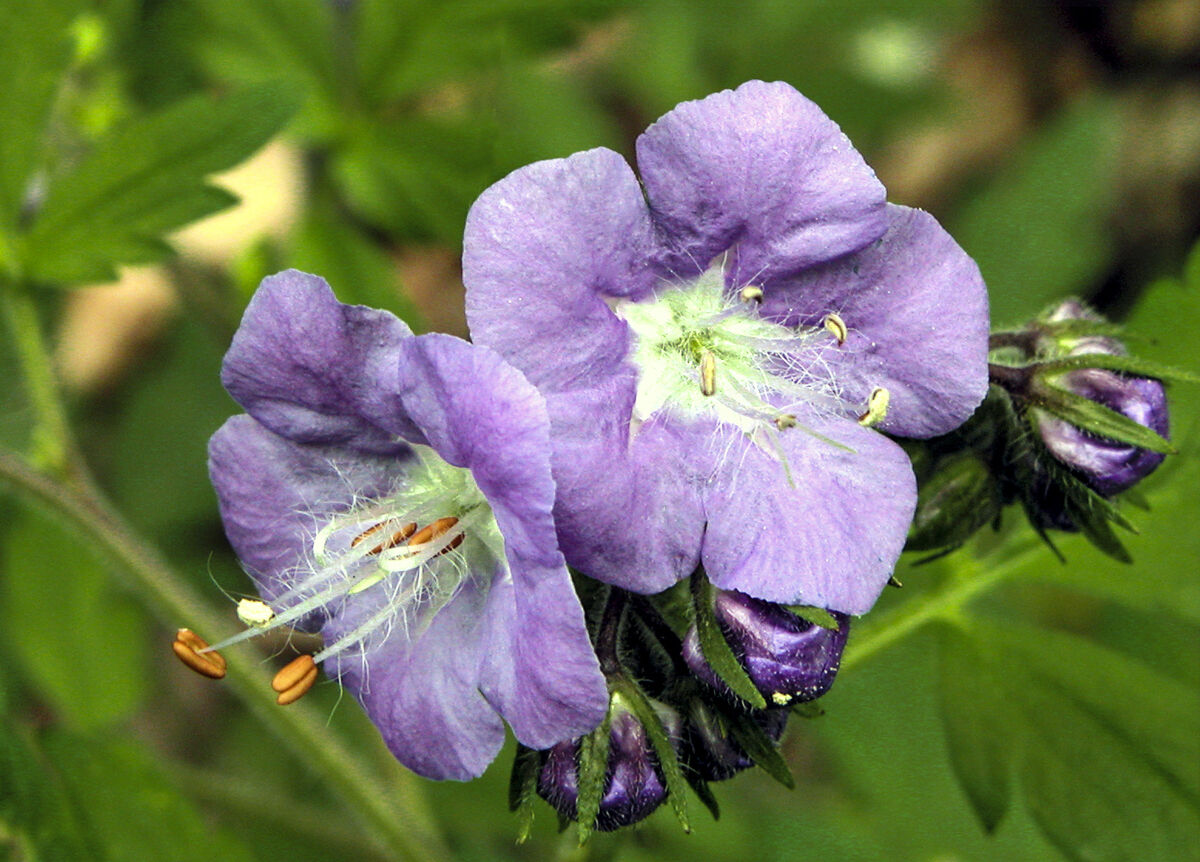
x=750 y=293
x=781 y=699
x=835 y=324
x=187 y=647
x=254 y=613
x=877 y=407
x=785 y=421
x=295 y=679
x=708 y=373
x=435 y=530
x=382 y=542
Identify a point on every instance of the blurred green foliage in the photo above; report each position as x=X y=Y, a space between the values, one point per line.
x=1059 y=710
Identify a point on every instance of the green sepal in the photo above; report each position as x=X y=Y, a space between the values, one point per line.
x=592 y=768
x=957 y=498
x=716 y=649
x=522 y=785
x=1078 y=327
x=807 y=709
x=675 y=606
x=704 y=794
x=1098 y=419
x=1132 y=365
x=816 y=616
x=760 y=748
x=668 y=761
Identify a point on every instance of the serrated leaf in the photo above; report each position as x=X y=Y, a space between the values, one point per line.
x=976 y=721
x=1098 y=419
x=52 y=586
x=668 y=760
x=1126 y=364
x=34 y=52
x=716 y=649
x=145 y=179
x=592 y=770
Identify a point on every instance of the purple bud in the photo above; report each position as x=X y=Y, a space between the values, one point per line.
x=708 y=748
x=633 y=783
x=1107 y=465
x=788 y=658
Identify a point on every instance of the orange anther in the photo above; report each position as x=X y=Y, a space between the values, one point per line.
x=438 y=528
x=396 y=537
x=295 y=679
x=187 y=645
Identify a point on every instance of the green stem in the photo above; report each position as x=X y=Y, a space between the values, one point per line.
x=52 y=444
x=944 y=602
x=395 y=810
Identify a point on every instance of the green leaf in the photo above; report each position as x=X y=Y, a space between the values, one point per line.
x=34 y=52
x=816 y=616
x=753 y=740
x=977 y=727
x=668 y=760
x=34 y=811
x=54 y=592
x=145 y=179
x=1110 y=745
x=716 y=649
x=1125 y=364
x=1039 y=230
x=1098 y=419
x=593 y=767
x=129 y=808
x=522 y=783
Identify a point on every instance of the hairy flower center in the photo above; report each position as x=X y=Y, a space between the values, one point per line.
x=404 y=556
x=703 y=350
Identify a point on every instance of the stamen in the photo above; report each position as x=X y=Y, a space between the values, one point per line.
x=750 y=293
x=835 y=324
x=254 y=613
x=877 y=407
x=187 y=647
x=785 y=421
x=435 y=530
x=391 y=541
x=295 y=679
x=708 y=373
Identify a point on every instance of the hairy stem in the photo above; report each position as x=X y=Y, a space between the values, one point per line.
x=394 y=810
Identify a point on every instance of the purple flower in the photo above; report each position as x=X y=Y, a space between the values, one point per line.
x=789 y=659
x=359 y=437
x=714 y=341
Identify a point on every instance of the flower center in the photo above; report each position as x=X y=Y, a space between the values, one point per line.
x=702 y=350
x=404 y=557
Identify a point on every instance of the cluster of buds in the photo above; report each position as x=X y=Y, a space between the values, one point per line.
x=701 y=689
x=1071 y=421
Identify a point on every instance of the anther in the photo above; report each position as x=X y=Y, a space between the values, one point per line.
x=877 y=407
x=708 y=373
x=187 y=647
x=254 y=613
x=390 y=541
x=750 y=293
x=785 y=421
x=893 y=581
x=436 y=529
x=295 y=679
x=835 y=324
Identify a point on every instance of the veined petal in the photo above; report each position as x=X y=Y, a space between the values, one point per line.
x=830 y=536
x=312 y=369
x=915 y=309
x=763 y=168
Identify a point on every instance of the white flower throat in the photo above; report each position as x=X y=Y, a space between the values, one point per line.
x=405 y=556
x=702 y=350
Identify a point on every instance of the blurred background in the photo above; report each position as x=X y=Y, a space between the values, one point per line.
x=1058 y=141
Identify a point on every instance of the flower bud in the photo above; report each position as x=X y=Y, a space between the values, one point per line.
x=1108 y=466
x=959 y=496
x=788 y=658
x=633 y=782
x=708 y=746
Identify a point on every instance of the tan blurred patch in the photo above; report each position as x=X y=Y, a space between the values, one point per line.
x=432 y=278
x=104 y=328
x=271 y=189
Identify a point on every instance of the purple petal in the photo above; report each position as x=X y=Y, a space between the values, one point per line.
x=829 y=540
x=761 y=167
x=312 y=369
x=541 y=249
x=916 y=310
x=273 y=494
x=423 y=694
x=628 y=512
x=500 y=432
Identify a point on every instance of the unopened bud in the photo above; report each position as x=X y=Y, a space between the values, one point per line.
x=709 y=747
x=959 y=496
